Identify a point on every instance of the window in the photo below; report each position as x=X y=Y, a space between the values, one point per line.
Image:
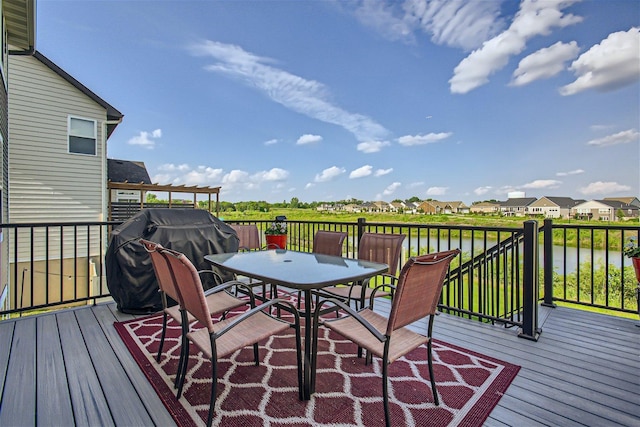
x=82 y=136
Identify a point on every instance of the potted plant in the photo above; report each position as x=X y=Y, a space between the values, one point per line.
x=276 y=235
x=632 y=250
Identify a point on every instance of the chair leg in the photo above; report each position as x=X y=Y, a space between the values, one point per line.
x=436 y=400
x=256 y=356
x=385 y=392
x=299 y=361
x=182 y=373
x=214 y=388
x=184 y=355
x=164 y=331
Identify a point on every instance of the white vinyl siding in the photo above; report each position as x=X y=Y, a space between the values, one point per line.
x=46 y=182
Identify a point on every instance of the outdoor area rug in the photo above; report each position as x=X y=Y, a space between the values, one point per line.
x=348 y=392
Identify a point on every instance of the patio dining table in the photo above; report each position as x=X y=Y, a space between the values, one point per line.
x=303 y=271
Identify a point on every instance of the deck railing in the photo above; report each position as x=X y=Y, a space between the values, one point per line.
x=496 y=278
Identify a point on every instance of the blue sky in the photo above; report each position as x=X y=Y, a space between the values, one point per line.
x=323 y=100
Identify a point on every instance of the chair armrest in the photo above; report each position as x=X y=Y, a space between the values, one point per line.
x=341 y=305
x=373 y=293
x=216 y=276
x=222 y=287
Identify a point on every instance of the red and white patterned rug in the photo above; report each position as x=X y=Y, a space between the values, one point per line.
x=348 y=392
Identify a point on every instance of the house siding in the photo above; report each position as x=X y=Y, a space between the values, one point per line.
x=47 y=183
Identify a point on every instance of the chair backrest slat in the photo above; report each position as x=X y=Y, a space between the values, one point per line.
x=328 y=242
x=249 y=236
x=189 y=286
x=384 y=248
x=419 y=288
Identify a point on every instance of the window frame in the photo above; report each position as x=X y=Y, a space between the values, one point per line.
x=95 y=135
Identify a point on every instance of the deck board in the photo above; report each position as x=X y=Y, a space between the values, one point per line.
x=584 y=369
x=147 y=395
x=54 y=400
x=90 y=406
x=20 y=382
x=126 y=407
x=6 y=336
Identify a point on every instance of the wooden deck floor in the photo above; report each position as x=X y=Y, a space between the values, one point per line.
x=70 y=367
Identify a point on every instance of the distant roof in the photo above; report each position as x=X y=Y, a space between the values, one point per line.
x=564 y=202
x=112 y=113
x=617 y=204
x=520 y=201
x=127 y=171
x=628 y=200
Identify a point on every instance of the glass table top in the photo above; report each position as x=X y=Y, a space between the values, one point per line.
x=302 y=270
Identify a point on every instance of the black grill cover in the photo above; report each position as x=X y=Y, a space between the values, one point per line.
x=194 y=232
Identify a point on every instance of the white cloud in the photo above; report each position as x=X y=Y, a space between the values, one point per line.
x=391 y=189
x=456 y=23
x=382 y=172
x=385 y=19
x=505 y=189
x=144 y=139
x=307 y=97
x=274 y=174
x=271 y=142
x=534 y=18
x=235 y=179
x=361 y=172
x=409 y=140
x=573 y=172
x=202 y=175
x=623 y=137
x=329 y=174
x=612 y=64
x=600 y=187
x=437 y=191
x=308 y=139
x=542 y=183
x=235 y=176
x=372 y=146
x=544 y=63
x=415 y=184
x=309 y=185
x=170 y=167
x=482 y=190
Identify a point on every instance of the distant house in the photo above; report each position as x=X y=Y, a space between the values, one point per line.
x=368 y=207
x=621 y=208
x=435 y=207
x=553 y=207
x=459 y=207
x=130 y=172
x=397 y=206
x=352 y=207
x=427 y=207
x=58 y=166
x=380 y=206
x=485 y=208
x=633 y=201
x=604 y=210
x=516 y=206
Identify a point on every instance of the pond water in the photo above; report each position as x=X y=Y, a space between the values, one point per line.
x=565 y=260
